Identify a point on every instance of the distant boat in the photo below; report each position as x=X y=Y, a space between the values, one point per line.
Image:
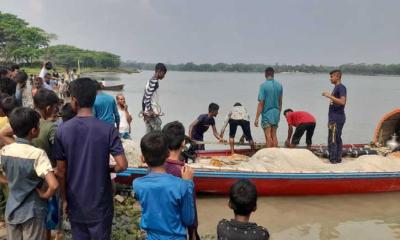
x=117 y=87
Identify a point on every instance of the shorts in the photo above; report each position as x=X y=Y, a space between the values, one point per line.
x=125 y=135
x=245 y=125
x=99 y=230
x=152 y=124
x=33 y=229
x=268 y=125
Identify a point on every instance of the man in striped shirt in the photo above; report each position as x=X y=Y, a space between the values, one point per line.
x=150 y=106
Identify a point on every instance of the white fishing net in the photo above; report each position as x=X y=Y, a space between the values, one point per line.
x=284 y=160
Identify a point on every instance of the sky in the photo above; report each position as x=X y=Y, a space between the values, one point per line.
x=326 y=32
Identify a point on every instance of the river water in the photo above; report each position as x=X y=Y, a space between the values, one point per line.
x=185 y=95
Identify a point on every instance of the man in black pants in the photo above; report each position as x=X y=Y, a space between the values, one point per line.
x=303 y=122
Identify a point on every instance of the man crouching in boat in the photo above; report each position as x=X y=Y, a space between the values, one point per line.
x=151 y=116
x=303 y=122
x=337 y=117
x=201 y=125
x=238 y=116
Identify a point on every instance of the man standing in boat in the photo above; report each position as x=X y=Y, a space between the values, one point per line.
x=150 y=108
x=269 y=106
x=336 y=116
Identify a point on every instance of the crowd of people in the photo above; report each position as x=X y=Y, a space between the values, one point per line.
x=55 y=156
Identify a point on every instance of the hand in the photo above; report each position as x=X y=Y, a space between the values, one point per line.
x=65 y=207
x=187 y=172
x=126 y=107
x=256 y=122
x=41 y=193
x=326 y=94
x=287 y=143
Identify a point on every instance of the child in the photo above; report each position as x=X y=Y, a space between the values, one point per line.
x=166 y=200
x=243 y=201
x=45 y=102
x=25 y=167
x=82 y=149
x=201 y=125
x=175 y=133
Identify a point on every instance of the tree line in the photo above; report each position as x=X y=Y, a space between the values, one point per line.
x=362 y=68
x=27 y=45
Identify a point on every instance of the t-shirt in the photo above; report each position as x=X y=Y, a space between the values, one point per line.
x=3 y=122
x=204 y=122
x=45 y=140
x=235 y=230
x=167 y=205
x=299 y=117
x=25 y=167
x=336 y=112
x=105 y=108
x=123 y=124
x=85 y=143
x=270 y=92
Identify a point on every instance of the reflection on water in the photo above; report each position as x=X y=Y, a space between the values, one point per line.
x=364 y=216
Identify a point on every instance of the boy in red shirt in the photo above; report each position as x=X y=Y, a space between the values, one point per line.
x=303 y=122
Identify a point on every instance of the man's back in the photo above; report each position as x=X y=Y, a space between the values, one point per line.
x=85 y=143
x=167 y=205
x=105 y=108
x=270 y=92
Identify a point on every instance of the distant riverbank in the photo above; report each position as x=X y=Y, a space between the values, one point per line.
x=60 y=70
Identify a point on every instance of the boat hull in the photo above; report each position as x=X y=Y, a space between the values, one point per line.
x=270 y=184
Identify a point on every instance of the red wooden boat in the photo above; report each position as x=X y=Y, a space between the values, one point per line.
x=219 y=182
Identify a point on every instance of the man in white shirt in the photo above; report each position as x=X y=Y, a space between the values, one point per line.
x=238 y=116
x=125 y=117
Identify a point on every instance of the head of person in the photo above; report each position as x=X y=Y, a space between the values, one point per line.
x=3 y=72
x=21 y=78
x=287 y=111
x=25 y=122
x=8 y=86
x=37 y=82
x=154 y=146
x=243 y=197
x=8 y=104
x=46 y=101
x=238 y=104
x=83 y=93
x=160 y=71
x=120 y=100
x=48 y=65
x=47 y=77
x=335 y=76
x=67 y=112
x=14 y=70
x=175 y=134
x=269 y=73
x=213 y=109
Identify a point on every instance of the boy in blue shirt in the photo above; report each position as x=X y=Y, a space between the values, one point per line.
x=166 y=201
